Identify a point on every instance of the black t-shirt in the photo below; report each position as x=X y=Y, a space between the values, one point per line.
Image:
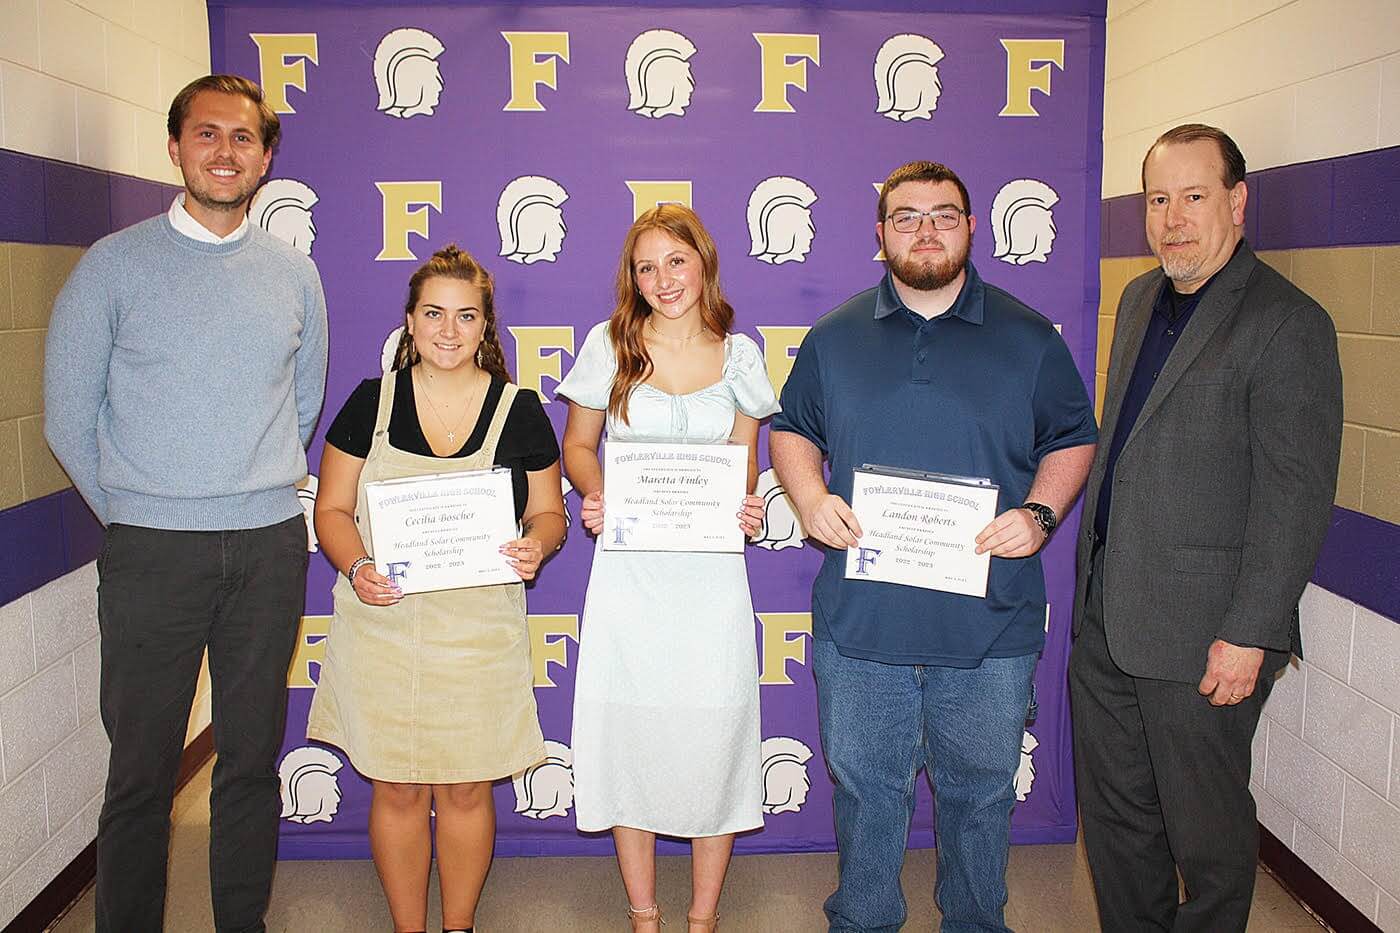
x=527 y=439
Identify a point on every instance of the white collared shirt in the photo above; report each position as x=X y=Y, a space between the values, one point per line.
x=181 y=220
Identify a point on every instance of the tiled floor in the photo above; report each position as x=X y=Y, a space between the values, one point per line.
x=1050 y=891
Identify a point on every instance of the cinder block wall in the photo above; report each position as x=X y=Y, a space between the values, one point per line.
x=1310 y=89
x=85 y=87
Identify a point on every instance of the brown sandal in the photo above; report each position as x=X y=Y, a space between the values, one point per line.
x=709 y=924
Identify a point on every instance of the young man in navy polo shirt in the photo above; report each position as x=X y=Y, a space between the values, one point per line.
x=934 y=370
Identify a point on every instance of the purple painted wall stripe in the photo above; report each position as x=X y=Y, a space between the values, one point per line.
x=45 y=538
x=1346 y=201
x=1358 y=561
x=53 y=202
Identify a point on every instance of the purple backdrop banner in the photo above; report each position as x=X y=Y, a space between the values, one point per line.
x=532 y=137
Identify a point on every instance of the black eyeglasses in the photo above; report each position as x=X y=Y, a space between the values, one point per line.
x=943 y=218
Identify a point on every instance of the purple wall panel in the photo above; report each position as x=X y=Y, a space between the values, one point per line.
x=77 y=204
x=22 y=205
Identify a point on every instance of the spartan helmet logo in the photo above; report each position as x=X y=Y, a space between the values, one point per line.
x=306 y=495
x=282 y=207
x=1022 y=223
x=406 y=73
x=310 y=789
x=659 y=83
x=906 y=77
x=785 y=781
x=566 y=487
x=1025 y=773
x=781 y=527
x=529 y=219
x=780 y=224
x=546 y=789
x=390 y=349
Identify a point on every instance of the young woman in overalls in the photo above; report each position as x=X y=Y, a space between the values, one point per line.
x=430 y=695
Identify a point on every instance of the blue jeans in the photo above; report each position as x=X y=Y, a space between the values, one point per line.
x=879 y=724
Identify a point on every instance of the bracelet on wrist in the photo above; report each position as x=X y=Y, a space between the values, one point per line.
x=355 y=568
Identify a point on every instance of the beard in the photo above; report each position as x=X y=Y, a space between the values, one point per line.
x=236 y=201
x=1181 y=266
x=927 y=275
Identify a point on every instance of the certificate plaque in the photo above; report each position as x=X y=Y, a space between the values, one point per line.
x=920 y=529
x=444 y=531
x=673 y=497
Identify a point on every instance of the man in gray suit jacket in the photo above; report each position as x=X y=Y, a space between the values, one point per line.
x=1206 y=505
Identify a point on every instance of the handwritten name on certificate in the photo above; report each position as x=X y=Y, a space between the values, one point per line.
x=921 y=529
x=673 y=497
x=444 y=531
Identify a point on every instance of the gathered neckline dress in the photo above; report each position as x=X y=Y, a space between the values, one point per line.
x=666 y=732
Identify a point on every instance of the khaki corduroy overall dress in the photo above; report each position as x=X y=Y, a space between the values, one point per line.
x=438 y=688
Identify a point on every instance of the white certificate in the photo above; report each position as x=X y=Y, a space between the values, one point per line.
x=673 y=497
x=444 y=531
x=921 y=529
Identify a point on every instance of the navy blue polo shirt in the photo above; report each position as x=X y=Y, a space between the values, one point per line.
x=986 y=389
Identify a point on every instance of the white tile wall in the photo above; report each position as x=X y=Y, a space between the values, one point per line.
x=1370 y=832
x=1344 y=877
x=19 y=40
x=55 y=749
x=131 y=68
x=1305 y=782
x=1390 y=101
x=1349 y=729
x=1327 y=628
x=1388 y=914
x=1291 y=80
x=106 y=133
x=39 y=114
x=1285 y=703
x=37 y=715
x=81 y=80
x=71 y=44
x=1375 y=658
x=1332 y=791
x=1338 y=113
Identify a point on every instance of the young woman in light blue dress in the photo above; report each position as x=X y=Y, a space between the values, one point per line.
x=666 y=728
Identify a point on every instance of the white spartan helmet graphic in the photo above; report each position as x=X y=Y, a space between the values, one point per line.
x=785 y=781
x=529 y=219
x=659 y=83
x=906 y=77
x=390 y=349
x=310 y=789
x=1025 y=773
x=780 y=224
x=546 y=789
x=406 y=73
x=306 y=495
x=1022 y=223
x=781 y=527
x=282 y=207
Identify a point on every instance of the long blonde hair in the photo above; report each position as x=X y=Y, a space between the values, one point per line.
x=631 y=313
x=453 y=262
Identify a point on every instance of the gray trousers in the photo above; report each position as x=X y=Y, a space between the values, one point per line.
x=1163 y=784
x=163 y=598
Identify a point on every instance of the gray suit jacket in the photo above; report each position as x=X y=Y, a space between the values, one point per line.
x=1223 y=490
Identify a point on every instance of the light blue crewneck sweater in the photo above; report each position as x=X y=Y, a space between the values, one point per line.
x=182 y=380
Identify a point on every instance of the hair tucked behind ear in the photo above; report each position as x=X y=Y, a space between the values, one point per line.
x=632 y=311
x=453 y=262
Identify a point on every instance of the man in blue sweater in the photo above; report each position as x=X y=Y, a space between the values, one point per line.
x=184 y=373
